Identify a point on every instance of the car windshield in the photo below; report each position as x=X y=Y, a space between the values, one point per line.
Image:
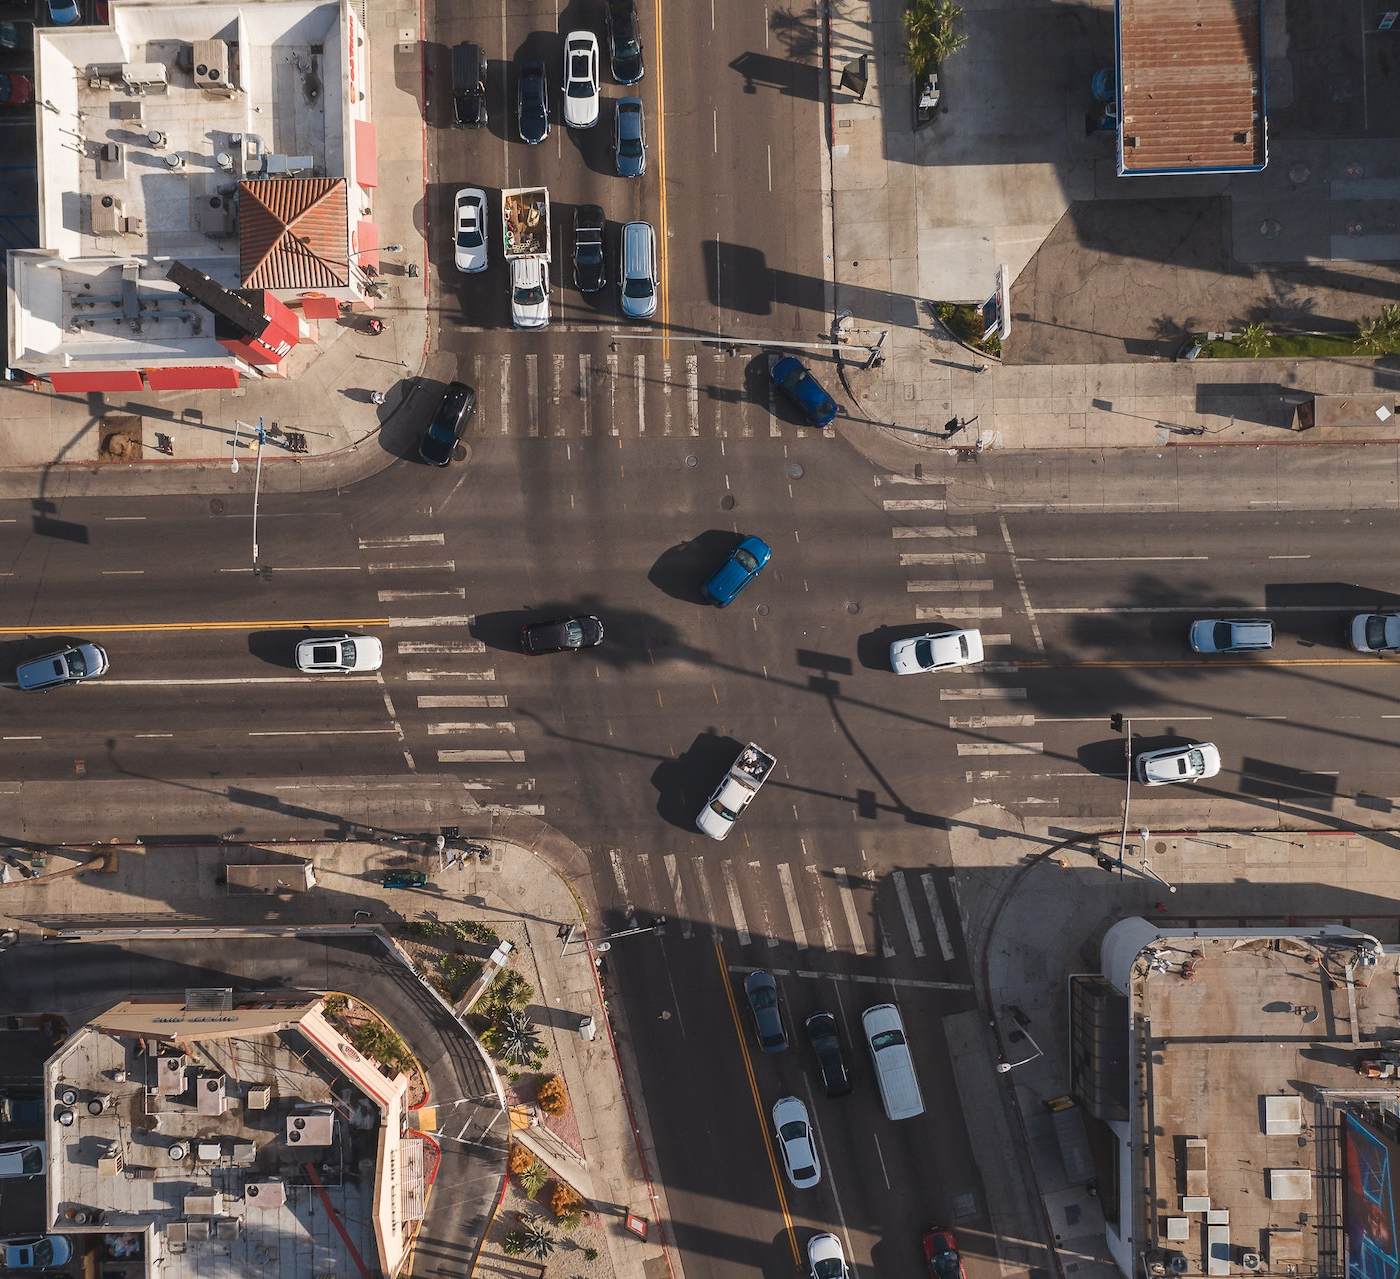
x=77 y=663
x=946 y=1263
x=1195 y=760
x=530 y=295
x=923 y=652
x=717 y=807
x=829 y=1268
x=886 y=1039
x=1375 y=632
x=625 y=32
x=33 y=1160
x=793 y=1130
x=1223 y=635
x=638 y=287
x=746 y=561
x=763 y=997
x=43 y=1254
x=441 y=432
x=962 y=645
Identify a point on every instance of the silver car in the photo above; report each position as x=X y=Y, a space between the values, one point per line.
x=1216 y=635
x=68 y=666
x=1178 y=764
x=796 y=1144
x=637 y=279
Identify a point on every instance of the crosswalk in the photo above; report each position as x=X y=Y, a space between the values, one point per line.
x=767 y=905
x=582 y=396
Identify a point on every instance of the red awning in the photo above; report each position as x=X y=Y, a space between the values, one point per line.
x=366 y=155
x=193 y=378
x=107 y=380
x=367 y=244
x=317 y=306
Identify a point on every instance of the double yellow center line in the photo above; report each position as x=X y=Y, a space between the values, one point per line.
x=118 y=628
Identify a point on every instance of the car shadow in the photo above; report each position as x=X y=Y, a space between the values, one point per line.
x=680 y=570
x=684 y=784
x=276 y=648
x=17 y=651
x=501 y=630
x=873 y=648
x=1107 y=758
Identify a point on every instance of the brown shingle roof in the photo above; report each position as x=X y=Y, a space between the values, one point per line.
x=1190 y=81
x=293 y=233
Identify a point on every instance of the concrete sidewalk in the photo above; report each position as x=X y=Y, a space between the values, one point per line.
x=529 y=888
x=332 y=377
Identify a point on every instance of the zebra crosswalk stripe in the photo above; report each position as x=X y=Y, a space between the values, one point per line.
x=505 y=394
x=906 y=907
x=673 y=877
x=620 y=875
x=639 y=380
x=823 y=916
x=585 y=392
x=940 y=925
x=769 y=932
x=799 y=930
x=612 y=395
x=532 y=394
x=555 y=394
x=848 y=905
x=692 y=393
x=736 y=905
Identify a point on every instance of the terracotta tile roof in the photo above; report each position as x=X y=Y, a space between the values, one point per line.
x=1191 y=85
x=293 y=233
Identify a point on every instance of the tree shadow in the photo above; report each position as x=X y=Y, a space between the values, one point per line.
x=680 y=570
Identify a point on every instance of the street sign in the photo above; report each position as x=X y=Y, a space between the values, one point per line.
x=636 y=1225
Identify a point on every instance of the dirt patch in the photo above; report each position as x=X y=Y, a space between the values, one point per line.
x=120 y=440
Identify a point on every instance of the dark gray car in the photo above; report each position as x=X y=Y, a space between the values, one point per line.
x=825 y=1038
x=532 y=111
x=629 y=138
x=69 y=666
x=762 y=993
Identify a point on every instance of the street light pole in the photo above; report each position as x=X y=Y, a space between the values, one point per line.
x=257 y=488
x=238 y=425
x=1004 y=1066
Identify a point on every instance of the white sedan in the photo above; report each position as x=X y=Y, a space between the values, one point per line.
x=529 y=293
x=825 y=1258
x=341 y=654
x=470 y=245
x=935 y=652
x=581 y=79
x=795 y=1141
x=1375 y=632
x=1178 y=764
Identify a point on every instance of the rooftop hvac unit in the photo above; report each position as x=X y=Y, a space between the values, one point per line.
x=265 y=1194
x=211 y=64
x=107 y=218
x=312 y=1127
x=144 y=77
x=211 y=1094
x=259 y=1097
x=170 y=1070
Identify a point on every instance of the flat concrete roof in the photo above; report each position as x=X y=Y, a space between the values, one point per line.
x=1234 y=1053
x=1190 y=86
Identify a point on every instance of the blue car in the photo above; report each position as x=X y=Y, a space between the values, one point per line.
x=745 y=563
x=64 y=13
x=790 y=375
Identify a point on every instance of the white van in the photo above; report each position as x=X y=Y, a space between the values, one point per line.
x=894 y=1066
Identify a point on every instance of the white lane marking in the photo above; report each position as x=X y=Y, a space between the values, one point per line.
x=709 y=898
x=914 y=504
x=1021 y=585
x=992 y=721
x=1112 y=559
x=858 y=979
x=406 y=539
x=1000 y=748
x=620 y=875
x=113 y=519
x=935 y=908
x=302 y=568
x=452 y=592
x=408 y=648
x=505 y=394
x=585 y=392
x=20 y=738
x=945 y=557
x=556 y=390
x=121 y=572
x=141 y=735
x=471 y=726
x=936 y=530
x=639 y=378
x=401 y=623
x=1290 y=557
x=962 y=613
x=673 y=877
x=322 y=732
x=906 y=908
x=481 y=757
x=483 y=676
x=427 y=702
x=995 y=641
x=1222 y=609
x=1098 y=719
x=612 y=395
x=848 y=905
x=213 y=681
x=982 y=694
x=736 y=906
x=692 y=393
x=401 y=566
x=799 y=930
x=532 y=395
x=770 y=934
x=823 y=918
x=948 y=584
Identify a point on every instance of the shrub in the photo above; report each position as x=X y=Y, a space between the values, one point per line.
x=590 y=1254
x=458 y=972
x=520 y=1158
x=1254 y=339
x=565 y=1201
x=508 y=990
x=533 y=1179
x=514 y=1040
x=552 y=1097
x=533 y=1239
x=334 y=1005
x=474 y=931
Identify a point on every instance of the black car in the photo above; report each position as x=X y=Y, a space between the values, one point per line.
x=825 y=1039
x=567 y=635
x=762 y=993
x=624 y=42
x=449 y=422
x=469 y=85
x=532 y=104
x=629 y=139
x=590 y=263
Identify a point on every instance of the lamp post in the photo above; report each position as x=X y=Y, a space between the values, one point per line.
x=238 y=426
x=1004 y=1066
x=257 y=488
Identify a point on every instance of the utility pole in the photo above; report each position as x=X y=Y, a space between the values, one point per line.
x=257 y=487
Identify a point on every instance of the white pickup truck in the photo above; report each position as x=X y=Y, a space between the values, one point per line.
x=734 y=793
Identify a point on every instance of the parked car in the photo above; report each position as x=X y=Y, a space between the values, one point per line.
x=629 y=138
x=340 y=654
x=67 y=666
x=941 y=1253
x=936 y=651
x=580 y=79
x=64 y=13
x=404 y=879
x=796 y=1143
x=532 y=103
x=23 y=1158
x=761 y=990
x=791 y=377
x=16 y=90
x=825 y=1038
x=745 y=562
x=826 y=1259
x=36 y=1252
x=624 y=41
x=590 y=257
x=469 y=86
x=1375 y=632
x=636 y=277
x=16 y=37
x=567 y=635
x=22 y=1108
x=449 y=422
x=529 y=293
x=1178 y=764
x=470 y=247
x=1247 y=635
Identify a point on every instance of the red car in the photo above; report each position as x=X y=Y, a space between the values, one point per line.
x=15 y=89
x=941 y=1253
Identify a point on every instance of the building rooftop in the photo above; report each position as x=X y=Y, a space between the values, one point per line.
x=1190 y=85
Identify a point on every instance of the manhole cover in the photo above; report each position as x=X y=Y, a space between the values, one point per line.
x=1159 y=847
x=216 y=506
x=691 y=460
x=728 y=502
x=762 y=610
x=853 y=607
x=1299 y=173
x=1269 y=228
x=794 y=470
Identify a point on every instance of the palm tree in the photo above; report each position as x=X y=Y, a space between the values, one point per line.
x=514 y=1039
x=1380 y=334
x=1254 y=339
x=534 y=1238
x=931 y=34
